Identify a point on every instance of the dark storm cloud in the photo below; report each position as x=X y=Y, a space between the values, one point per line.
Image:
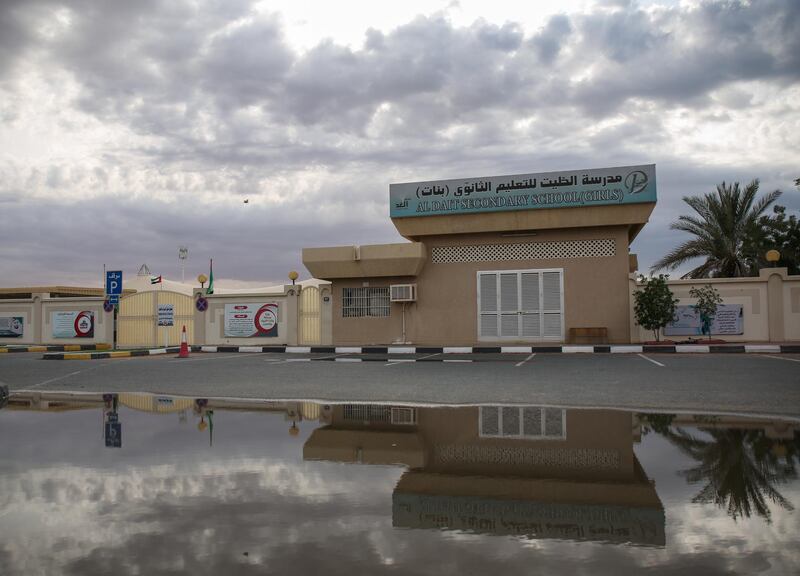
x=248 y=242
x=219 y=105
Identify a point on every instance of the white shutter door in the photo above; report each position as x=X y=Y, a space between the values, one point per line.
x=551 y=305
x=509 y=305
x=488 y=305
x=529 y=305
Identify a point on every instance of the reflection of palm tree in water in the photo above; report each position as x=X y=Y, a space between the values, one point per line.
x=741 y=468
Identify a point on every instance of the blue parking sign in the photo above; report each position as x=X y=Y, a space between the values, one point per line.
x=113 y=282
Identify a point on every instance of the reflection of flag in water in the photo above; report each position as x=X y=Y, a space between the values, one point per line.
x=155 y=279
x=210 y=289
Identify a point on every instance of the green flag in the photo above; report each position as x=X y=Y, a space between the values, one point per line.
x=210 y=289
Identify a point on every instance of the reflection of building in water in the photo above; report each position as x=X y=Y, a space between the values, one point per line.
x=163 y=404
x=529 y=471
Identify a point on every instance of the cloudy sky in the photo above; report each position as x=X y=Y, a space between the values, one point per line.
x=130 y=128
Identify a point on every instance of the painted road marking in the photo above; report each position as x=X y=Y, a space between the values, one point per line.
x=782 y=358
x=526 y=359
x=650 y=360
x=57 y=378
x=404 y=360
x=203 y=359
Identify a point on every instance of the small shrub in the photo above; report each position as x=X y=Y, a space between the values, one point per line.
x=654 y=304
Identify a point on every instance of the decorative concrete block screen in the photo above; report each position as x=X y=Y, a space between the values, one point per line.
x=600 y=248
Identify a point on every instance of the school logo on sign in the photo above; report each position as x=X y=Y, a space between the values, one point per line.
x=636 y=181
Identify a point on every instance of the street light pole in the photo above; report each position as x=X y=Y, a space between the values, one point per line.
x=183 y=254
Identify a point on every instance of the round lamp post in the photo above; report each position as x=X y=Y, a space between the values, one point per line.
x=773 y=256
x=202 y=278
x=293 y=276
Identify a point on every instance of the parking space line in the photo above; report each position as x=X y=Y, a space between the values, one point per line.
x=651 y=360
x=396 y=361
x=518 y=364
x=205 y=359
x=781 y=358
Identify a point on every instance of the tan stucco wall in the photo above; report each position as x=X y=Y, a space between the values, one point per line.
x=37 y=312
x=368 y=330
x=209 y=326
x=595 y=293
x=103 y=321
x=770 y=305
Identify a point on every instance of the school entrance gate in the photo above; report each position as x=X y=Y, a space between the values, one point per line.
x=309 y=316
x=137 y=321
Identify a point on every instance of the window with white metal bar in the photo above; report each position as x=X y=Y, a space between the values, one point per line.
x=531 y=422
x=365 y=302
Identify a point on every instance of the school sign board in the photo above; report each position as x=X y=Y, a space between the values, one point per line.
x=72 y=324
x=166 y=314
x=729 y=320
x=567 y=189
x=251 y=320
x=12 y=326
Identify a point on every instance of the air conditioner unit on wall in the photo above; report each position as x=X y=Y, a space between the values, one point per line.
x=403 y=292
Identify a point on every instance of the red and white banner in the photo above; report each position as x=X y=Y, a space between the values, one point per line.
x=72 y=324
x=251 y=320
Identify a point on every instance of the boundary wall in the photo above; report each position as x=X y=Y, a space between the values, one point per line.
x=36 y=313
x=209 y=325
x=770 y=305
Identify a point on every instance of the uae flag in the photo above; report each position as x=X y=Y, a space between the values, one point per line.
x=155 y=279
x=210 y=289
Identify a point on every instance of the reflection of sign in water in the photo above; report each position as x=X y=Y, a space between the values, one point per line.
x=11 y=326
x=565 y=521
x=729 y=320
x=247 y=320
x=166 y=315
x=73 y=324
x=113 y=432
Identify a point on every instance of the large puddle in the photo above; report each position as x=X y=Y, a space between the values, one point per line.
x=147 y=484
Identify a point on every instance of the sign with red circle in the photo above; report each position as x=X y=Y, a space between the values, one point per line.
x=72 y=324
x=251 y=320
x=201 y=304
x=84 y=325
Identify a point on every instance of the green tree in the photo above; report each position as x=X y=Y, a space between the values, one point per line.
x=723 y=223
x=781 y=232
x=740 y=469
x=654 y=304
x=708 y=299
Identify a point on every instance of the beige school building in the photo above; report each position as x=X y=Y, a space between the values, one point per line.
x=501 y=261
x=533 y=258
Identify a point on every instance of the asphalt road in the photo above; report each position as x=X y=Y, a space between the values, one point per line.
x=726 y=383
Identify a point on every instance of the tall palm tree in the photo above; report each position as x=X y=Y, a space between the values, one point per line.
x=725 y=220
x=739 y=468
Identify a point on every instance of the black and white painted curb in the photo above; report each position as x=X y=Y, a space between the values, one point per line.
x=435 y=354
x=558 y=349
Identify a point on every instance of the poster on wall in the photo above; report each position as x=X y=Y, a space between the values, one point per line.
x=728 y=321
x=251 y=320
x=73 y=324
x=11 y=326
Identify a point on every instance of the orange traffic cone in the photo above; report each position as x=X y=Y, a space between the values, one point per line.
x=184 y=353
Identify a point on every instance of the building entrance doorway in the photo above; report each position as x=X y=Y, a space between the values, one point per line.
x=521 y=305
